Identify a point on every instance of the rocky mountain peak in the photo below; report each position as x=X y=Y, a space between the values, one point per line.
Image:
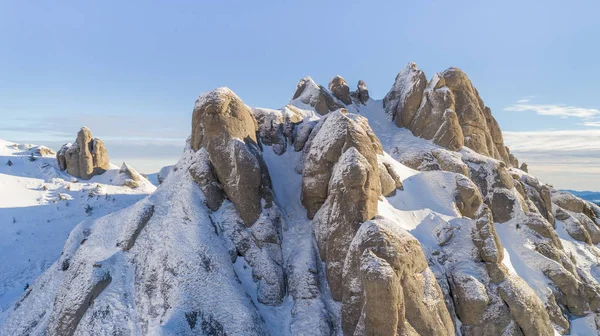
x=447 y=110
x=346 y=225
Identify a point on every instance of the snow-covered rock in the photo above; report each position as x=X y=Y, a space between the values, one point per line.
x=346 y=225
x=39 y=206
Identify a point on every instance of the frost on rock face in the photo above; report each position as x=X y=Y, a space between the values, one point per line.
x=408 y=232
x=277 y=128
x=163 y=173
x=403 y=100
x=333 y=136
x=447 y=110
x=388 y=286
x=311 y=94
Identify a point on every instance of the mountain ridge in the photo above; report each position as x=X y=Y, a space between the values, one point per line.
x=344 y=223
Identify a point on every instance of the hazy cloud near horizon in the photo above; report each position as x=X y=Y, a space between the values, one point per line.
x=565 y=159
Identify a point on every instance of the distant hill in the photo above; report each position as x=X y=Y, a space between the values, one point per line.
x=592 y=196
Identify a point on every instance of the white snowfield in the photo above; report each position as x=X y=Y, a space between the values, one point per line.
x=39 y=206
x=164 y=263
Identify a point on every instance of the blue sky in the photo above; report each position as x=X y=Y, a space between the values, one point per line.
x=131 y=70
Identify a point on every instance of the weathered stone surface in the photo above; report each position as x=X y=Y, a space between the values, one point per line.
x=130 y=172
x=447 y=110
x=468 y=198
x=525 y=307
x=524 y=167
x=308 y=92
x=470 y=296
x=448 y=135
x=573 y=297
x=362 y=91
x=435 y=118
x=351 y=200
x=403 y=100
x=301 y=134
x=540 y=195
x=223 y=125
x=277 y=128
x=568 y=201
x=340 y=89
x=388 y=185
x=85 y=158
x=485 y=237
x=573 y=227
x=502 y=205
x=339 y=132
x=381 y=257
x=202 y=172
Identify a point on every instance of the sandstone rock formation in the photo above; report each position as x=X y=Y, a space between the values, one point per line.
x=340 y=89
x=463 y=243
x=403 y=100
x=362 y=92
x=309 y=93
x=228 y=164
x=132 y=177
x=447 y=110
x=85 y=158
x=336 y=133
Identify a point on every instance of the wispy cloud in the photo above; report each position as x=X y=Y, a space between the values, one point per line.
x=563 y=111
x=592 y=123
x=567 y=158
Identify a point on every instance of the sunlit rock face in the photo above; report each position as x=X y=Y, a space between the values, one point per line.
x=84 y=158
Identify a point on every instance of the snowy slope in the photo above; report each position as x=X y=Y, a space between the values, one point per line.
x=168 y=265
x=39 y=206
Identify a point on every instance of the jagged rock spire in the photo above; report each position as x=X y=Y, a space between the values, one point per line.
x=85 y=158
x=435 y=111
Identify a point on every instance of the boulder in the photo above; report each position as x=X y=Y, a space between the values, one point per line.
x=435 y=119
x=316 y=96
x=276 y=127
x=132 y=177
x=225 y=127
x=340 y=89
x=526 y=307
x=485 y=237
x=362 y=92
x=85 y=158
x=351 y=200
x=524 y=167
x=337 y=133
x=502 y=205
x=573 y=226
x=403 y=100
x=389 y=287
x=468 y=198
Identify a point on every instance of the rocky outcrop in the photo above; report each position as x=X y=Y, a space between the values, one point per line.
x=447 y=110
x=225 y=127
x=228 y=164
x=310 y=93
x=388 y=288
x=362 y=92
x=403 y=100
x=435 y=119
x=132 y=177
x=524 y=167
x=468 y=198
x=277 y=128
x=336 y=133
x=85 y=158
x=340 y=89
